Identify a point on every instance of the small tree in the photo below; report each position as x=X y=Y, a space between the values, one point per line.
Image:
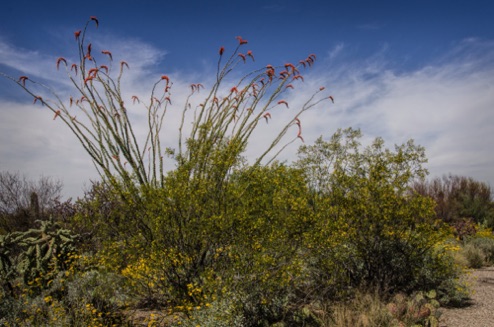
x=372 y=229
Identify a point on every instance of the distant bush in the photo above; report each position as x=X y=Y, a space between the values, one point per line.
x=459 y=198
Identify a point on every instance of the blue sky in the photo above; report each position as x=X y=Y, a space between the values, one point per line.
x=397 y=69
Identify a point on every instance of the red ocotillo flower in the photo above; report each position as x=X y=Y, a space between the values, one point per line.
x=222 y=50
x=95 y=20
x=36 y=98
x=166 y=78
x=270 y=73
x=77 y=34
x=108 y=53
x=240 y=40
x=249 y=53
x=156 y=99
x=71 y=101
x=241 y=55
x=134 y=99
x=283 y=74
x=104 y=67
x=299 y=77
x=289 y=86
x=87 y=79
x=331 y=98
x=88 y=54
x=299 y=135
x=59 y=60
x=292 y=67
x=234 y=89
x=92 y=72
x=321 y=88
x=169 y=100
x=123 y=63
x=195 y=87
x=74 y=67
x=302 y=62
x=283 y=102
x=266 y=116
x=57 y=113
x=23 y=80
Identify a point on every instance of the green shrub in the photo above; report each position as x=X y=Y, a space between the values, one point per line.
x=371 y=230
x=485 y=245
x=474 y=255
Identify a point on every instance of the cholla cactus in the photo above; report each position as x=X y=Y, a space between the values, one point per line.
x=8 y=252
x=44 y=250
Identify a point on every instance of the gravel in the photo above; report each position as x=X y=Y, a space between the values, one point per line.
x=481 y=312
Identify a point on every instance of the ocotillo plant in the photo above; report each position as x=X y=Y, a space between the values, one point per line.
x=225 y=119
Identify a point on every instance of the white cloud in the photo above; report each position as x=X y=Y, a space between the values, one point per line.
x=447 y=106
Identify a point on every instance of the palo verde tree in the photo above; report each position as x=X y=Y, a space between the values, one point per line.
x=373 y=230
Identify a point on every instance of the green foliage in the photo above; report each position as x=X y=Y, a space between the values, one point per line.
x=478 y=248
x=475 y=256
x=369 y=224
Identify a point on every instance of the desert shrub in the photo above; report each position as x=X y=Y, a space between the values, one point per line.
x=371 y=230
x=483 y=240
x=474 y=255
x=464 y=227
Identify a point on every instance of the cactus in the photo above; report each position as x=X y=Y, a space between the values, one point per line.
x=35 y=253
x=8 y=271
x=420 y=310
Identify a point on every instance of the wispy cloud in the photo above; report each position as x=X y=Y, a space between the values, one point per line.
x=447 y=106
